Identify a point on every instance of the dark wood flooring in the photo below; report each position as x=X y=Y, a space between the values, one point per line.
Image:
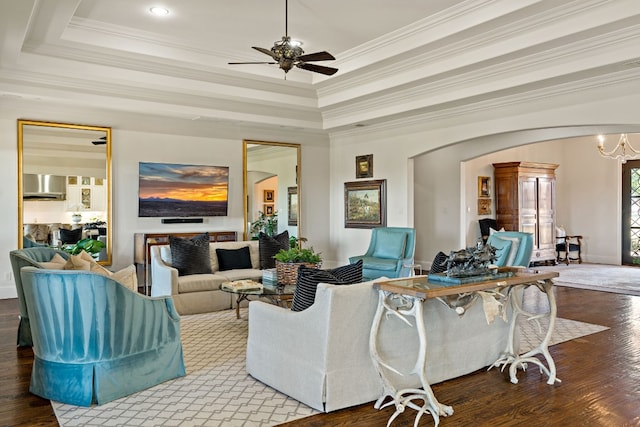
x=600 y=376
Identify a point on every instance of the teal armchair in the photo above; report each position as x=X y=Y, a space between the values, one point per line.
x=390 y=253
x=95 y=340
x=34 y=257
x=514 y=248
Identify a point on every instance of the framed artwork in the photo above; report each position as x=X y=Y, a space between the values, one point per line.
x=484 y=186
x=86 y=180
x=292 y=205
x=364 y=166
x=97 y=181
x=484 y=206
x=268 y=209
x=73 y=180
x=365 y=204
x=268 y=196
x=86 y=198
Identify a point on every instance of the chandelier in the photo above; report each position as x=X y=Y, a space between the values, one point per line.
x=623 y=149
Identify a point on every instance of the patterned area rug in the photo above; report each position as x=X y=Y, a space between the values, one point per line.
x=598 y=277
x=218 y=392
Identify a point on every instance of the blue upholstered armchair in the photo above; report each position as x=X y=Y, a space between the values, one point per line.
x=513 y=248
x=34 y=257
x=390 y=253
x=95 y=340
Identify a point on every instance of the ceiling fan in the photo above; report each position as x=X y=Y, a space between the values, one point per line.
x=288 y=54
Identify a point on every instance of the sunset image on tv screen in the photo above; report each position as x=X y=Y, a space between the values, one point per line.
x=167 y=189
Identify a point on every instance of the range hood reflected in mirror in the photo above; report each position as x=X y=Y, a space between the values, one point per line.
x=44 y=187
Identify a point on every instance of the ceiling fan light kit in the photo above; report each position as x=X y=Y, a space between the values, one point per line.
x=287 y=54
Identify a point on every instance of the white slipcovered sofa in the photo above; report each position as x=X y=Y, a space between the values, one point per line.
x=200 y=293
x=320 y=356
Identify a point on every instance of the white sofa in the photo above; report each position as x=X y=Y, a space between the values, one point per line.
x=320 y=356
x=200 y=293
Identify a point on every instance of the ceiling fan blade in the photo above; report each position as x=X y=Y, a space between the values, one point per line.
x=265 y=51
x=318 y=56
x=329 y=71
x=238 y=63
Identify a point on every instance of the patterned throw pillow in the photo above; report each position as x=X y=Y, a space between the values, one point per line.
x=234 y=259
x=271 y=245
x=308 y=279
x=439 y=264
x=190 y=256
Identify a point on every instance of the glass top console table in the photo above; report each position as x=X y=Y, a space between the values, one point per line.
x=405 y=297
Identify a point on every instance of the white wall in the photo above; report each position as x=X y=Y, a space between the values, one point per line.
x=582 y=175
x=440 y=141
x=159 y=140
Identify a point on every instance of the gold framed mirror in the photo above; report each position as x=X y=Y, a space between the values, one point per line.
x=64 y=185
x=271 y=178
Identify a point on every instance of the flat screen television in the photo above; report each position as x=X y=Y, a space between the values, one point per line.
x=169 y=189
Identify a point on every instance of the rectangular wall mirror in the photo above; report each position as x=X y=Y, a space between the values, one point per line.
x=271 y=173
x=64 y=185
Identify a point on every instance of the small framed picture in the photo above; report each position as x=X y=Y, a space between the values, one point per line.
x=86 y=180
x=484 y=186
x=73 y=180
x=364 y=166
x=268 y=209
x=484 y=206
x=268 y=196
x=97 y=181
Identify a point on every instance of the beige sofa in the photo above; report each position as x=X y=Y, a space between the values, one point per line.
x=200 y=293
x=320 y=356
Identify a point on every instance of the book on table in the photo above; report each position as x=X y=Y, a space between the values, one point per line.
x=242 y=285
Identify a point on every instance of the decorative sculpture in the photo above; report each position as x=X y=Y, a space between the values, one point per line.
x=470 y=261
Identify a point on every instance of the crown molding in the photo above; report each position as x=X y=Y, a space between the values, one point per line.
x=582 y=89
x=429 y=61
x=540 y=68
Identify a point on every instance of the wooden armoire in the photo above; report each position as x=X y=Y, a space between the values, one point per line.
x=526 y=201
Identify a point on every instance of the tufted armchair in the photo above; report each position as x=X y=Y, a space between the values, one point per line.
x=390 y=253
x=95 y=340
x=513 y=248
x=34 y=257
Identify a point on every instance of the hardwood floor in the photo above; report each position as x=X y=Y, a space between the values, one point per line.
x=600 y=376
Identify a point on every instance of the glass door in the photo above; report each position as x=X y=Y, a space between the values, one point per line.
x=631 y=212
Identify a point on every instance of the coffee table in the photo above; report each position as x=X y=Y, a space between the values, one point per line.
x=276 y=294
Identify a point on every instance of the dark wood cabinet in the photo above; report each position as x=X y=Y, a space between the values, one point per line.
x=142 y=243
x=526 y=201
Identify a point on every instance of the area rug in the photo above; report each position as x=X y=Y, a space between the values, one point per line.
x=218 y=392
x=598 y=277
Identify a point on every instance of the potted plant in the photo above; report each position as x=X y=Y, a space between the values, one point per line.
x=268 y=224
x=289 y=260
x=90 y=246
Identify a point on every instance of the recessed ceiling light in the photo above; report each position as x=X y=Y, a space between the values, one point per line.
x=159 y=11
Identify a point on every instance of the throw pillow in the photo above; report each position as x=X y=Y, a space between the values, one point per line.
x=513 y=251
x=308 y=278
x=271 y=245
x=84 y=261
x=190 y=256
x=389 y=244
x=55 y=263
x=234 y=259
x=127 y=277
x=502 y=249
x=439 y=264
